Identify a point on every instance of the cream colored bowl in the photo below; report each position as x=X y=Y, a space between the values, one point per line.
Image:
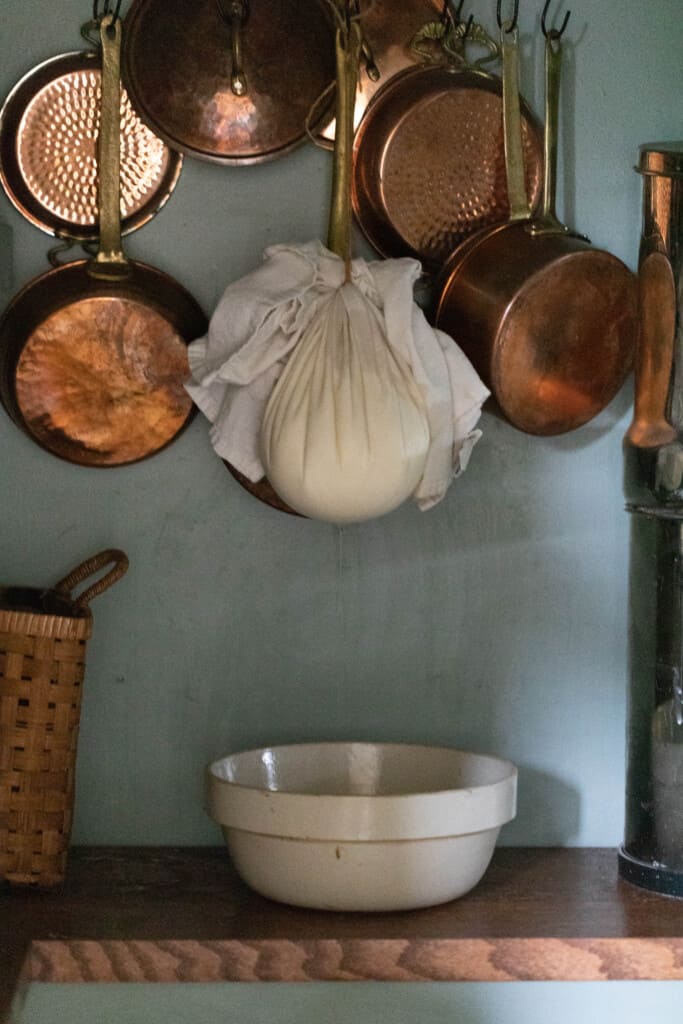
x=361 y=826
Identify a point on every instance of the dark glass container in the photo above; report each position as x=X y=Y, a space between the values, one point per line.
x=652 y=853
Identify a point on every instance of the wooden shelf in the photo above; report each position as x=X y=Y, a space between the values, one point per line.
x=178 y=914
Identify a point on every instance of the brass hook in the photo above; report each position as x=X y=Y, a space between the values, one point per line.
x=553 y=33
x=513 y=24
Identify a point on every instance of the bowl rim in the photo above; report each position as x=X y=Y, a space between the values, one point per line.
x=352 y=817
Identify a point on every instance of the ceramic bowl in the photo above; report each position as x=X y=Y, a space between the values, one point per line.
x=361 y=826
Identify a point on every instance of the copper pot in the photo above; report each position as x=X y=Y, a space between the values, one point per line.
x=93 y=354
x=547 y=320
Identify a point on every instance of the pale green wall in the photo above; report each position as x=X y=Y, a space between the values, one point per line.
x=495 y=622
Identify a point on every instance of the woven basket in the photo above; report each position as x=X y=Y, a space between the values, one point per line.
x=43 y=635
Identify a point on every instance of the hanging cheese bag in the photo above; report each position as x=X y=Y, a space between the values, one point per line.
x=345 y=433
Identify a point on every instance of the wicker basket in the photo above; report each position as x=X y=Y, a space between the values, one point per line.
x=43 y=635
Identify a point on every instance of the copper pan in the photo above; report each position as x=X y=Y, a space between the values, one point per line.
x=93 y=354
x=547 y=320
x=230 y=81
x=48 y=151
x=429 y=167
x=263 y=490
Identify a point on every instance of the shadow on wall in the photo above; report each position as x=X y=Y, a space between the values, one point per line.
x=546 y=806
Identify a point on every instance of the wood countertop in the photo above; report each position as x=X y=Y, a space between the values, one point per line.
x=181 y=914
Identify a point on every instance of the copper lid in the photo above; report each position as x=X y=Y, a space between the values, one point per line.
x=665 y=158
x=49 y=127
x=179 y=64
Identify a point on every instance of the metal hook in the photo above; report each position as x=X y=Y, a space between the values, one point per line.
x=65 y=244
x=553 y=33
x=449 y=15
x=90 y=32
x=107 y=10
x=513 y=24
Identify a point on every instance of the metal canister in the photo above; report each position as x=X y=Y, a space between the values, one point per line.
x=652 y=852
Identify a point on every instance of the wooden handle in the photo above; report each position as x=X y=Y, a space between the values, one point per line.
x=654 y=353
x=90 y=566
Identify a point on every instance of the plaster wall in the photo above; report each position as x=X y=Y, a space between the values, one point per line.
x=496 y=621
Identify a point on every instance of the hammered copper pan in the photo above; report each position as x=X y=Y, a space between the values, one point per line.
x=93 y=354
x=229 y=81
x=429 y=167
x=547 y=320
x=48 y=151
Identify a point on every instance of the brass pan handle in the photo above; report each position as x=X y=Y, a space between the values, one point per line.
x=477 y=34
x=109 y=262
x=548 y=223
x=451 y=38
x=553 y=74
x=512 y=124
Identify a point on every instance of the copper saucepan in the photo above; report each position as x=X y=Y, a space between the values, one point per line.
x=429 y=168
x=93 y=354
x=547 y=320
x=48 y=150
x=230 y=81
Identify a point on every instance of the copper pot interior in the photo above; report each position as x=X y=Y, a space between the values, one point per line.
x=177 y=66
x=94 y=371
x=49 y=127
x=430 y=162
x=548 y=322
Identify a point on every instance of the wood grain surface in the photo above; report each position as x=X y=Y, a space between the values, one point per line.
x=180 y=914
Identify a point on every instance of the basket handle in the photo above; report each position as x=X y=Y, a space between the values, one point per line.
x=90 y=566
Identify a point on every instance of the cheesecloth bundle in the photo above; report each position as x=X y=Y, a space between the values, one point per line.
x=285 y=304
x=322 y=373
